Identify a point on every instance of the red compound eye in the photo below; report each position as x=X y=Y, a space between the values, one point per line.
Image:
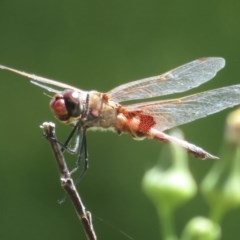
x=58 y=106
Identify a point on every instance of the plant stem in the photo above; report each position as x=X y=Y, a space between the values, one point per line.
x=166 y=218
x=67 y=182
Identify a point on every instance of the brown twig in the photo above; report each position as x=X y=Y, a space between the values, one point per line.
x=67 y=182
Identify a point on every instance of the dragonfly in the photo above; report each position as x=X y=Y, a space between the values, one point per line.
x=87 y=110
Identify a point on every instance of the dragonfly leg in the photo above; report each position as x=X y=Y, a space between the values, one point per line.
x=79 y=148
x=73 y=150
x=82 y=154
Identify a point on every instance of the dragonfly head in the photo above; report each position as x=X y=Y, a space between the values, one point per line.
x=67 y=106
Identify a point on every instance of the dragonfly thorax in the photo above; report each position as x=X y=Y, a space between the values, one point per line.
x=68 y=105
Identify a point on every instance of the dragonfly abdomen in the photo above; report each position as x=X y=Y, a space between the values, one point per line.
x=136 y=123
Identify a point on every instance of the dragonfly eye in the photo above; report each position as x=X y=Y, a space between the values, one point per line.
x=72 y=103
x=66 y=105
x=58 y=106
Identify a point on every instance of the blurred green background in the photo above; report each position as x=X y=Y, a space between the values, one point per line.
x=99 y=45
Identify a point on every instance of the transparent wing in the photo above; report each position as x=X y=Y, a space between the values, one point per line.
x=171 y=113
x=179 y=79
x=37 y=80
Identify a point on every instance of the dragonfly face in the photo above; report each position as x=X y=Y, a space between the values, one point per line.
x=67 y=106
x=145 y=119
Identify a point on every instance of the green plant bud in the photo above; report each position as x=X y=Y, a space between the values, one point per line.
x=173 y=186
x=200 y=228
x=170 y=188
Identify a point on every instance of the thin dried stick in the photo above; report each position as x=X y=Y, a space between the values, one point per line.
x=67 y=182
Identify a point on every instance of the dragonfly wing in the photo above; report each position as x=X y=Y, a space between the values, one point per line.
x=171 y=113
x=179 y=79
x=37 y=80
